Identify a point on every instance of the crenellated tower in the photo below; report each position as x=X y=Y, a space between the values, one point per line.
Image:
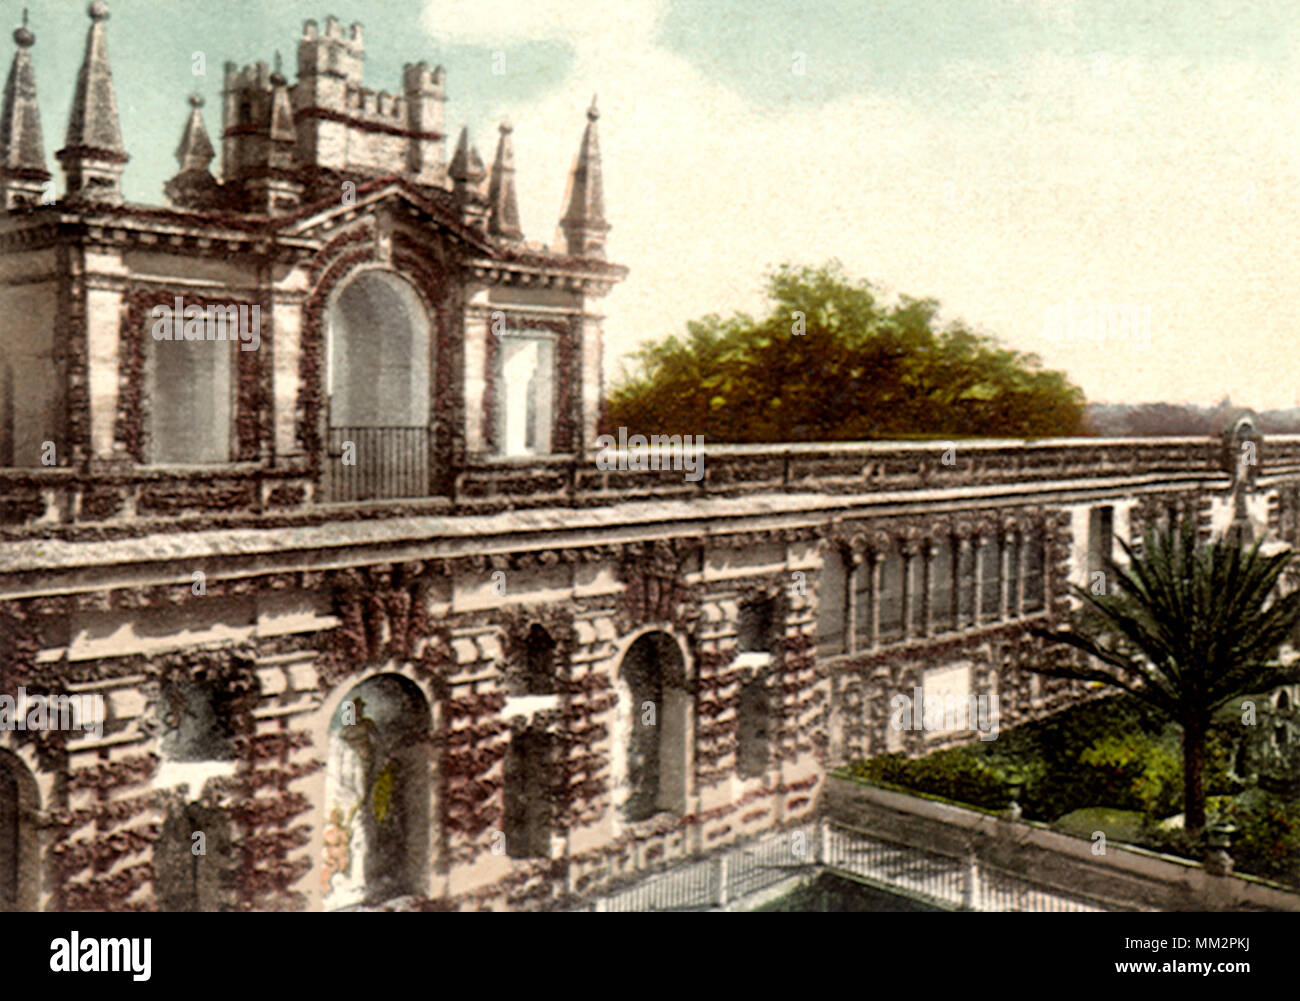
x=343 y=126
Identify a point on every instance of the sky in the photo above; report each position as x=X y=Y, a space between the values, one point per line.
x=1110 y=186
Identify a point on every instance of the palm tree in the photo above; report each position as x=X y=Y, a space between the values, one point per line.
x=1186 y=629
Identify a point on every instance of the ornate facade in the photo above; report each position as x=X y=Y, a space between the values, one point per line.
x=297 y=477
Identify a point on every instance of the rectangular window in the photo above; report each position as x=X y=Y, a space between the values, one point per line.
x=991 y=585
x=861 y=598
x=941 y=585
x=1101 y=536
x=831 y=604
x=966 y=584
x=891 y=597
x=1014 y=542
x=1034 y=560
x=190 y=400
x=525 y=398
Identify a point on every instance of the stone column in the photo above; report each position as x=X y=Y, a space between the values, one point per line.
x=852 y=574
x=927 y=580
x=958 y=547
x=1022 y=562
x=1004 y=573
x=873 y=601
x=977 y=551
x=909 y=554
x=477 y=331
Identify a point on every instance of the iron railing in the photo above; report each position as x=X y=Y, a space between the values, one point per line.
x=376 y=463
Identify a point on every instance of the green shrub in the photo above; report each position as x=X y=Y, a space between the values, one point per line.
x=958 y=774
x=1137 y=772
x=1267 y=841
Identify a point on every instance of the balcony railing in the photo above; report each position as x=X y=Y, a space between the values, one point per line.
x=396 y=463
x=376 y=463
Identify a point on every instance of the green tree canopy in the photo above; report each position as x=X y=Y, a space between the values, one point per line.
x=832 y=362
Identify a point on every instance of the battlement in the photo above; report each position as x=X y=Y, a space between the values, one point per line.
x=331 y=54
x=256 y=76
x=417 y=78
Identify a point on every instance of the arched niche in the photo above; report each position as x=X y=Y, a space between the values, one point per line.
x=658 y=745
x=377 y=795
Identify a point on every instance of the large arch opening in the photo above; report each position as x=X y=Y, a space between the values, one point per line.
x=377 y=786
x=377 y=377
x=658 y=749
x=19 y=847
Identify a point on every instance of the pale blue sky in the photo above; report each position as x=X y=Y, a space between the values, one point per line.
x=1004 y=156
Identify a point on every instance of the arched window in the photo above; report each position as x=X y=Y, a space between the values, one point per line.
x=377 y=794
x=19 y=848
x=377 y=378
x=657 y=752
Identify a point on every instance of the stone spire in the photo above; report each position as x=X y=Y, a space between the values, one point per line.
x=194 y=186
x=584 y=222
x=467 y=173
x=195 y=151
x=93 y=155
x=503 y=205
x=22 y=149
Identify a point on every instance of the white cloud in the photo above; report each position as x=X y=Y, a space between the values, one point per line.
x=1133 y=182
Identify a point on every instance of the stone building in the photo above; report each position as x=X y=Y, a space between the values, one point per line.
x=296 y=476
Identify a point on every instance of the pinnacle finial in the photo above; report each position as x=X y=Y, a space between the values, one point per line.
x=23 y=37
x=98 y=11
x=196 y=101
x=505 y=127
x=593 y=112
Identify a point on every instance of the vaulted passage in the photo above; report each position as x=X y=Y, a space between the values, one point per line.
x=377 y=794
